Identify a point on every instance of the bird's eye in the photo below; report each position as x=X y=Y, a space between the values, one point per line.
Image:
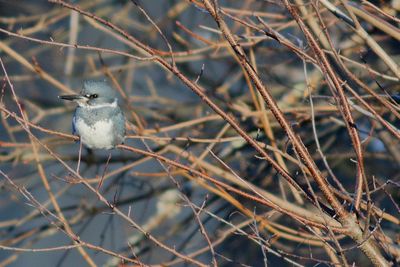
x=94 y=96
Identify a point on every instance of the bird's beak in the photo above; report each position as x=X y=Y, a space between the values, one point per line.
x=72 y=97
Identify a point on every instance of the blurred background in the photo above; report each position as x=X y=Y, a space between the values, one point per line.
x=46 y=202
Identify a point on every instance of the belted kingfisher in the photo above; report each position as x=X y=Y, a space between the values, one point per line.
x=98 y=120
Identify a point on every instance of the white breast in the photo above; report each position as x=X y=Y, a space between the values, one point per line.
x=98 y=135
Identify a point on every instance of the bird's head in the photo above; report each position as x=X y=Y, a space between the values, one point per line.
x=92 y=94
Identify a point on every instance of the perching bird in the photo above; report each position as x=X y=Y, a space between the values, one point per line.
x=98 y=120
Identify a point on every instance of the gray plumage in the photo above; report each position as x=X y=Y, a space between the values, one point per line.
x=105 y=93
x=98 y=119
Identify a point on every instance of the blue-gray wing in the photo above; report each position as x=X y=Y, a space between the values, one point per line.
x=119 y=127
x=73 y=123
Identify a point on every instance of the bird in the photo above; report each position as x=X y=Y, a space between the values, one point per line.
x=98 y=120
